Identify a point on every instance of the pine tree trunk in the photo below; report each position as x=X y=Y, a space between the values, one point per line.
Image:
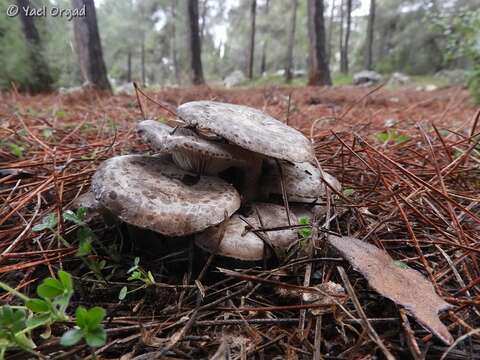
x=88 y=46
x=319 y=73
x=174 y=43
x=330 y=32
x=195 y=47
x=129 y=66
x=142 y=61
x=42 y=80
x=263 y=63
x=344 y=59
x=340 y=33
x=143 y=69
x=251 y=51
x=291 y=42
x=369 y=42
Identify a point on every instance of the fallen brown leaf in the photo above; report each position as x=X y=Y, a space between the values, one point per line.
x=398 y=282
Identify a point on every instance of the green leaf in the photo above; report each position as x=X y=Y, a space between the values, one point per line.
x=401 y=138
x=71 y=337
x=38 y=320
x=82 y=213
x=348 y=192
x=85 y=234
x=24 y=341
x=13 y=320
x=48 y=222
x=60 y=113
x=97 y=337
x=135 y=276
x=150 y=277
x=66 y=280
x=16 y=150
x=304 y=220
x=81 y=317
x=38 y=305
x=84 y=248
x=382 y=137
x=69 y=215
x=123 y=293
x=95 y=316
x=50 y=288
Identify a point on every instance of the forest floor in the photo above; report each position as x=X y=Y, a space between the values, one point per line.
x=408 y=162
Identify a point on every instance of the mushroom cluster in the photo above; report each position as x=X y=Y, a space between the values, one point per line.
x=220 y=177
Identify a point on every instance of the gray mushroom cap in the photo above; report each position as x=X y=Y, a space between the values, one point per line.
x=302 y=180
x=152 y=193
x=240 y=243
x=248 y=128
x=193 y=153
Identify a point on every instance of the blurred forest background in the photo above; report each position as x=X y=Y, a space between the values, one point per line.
x=246 y=42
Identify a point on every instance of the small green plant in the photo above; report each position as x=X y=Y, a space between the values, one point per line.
x=14 y=149
x=60 y=113
x=391 y=135
x=137 y=273
x=348 y=192
x=88 y=326
x=84 y=236
x=305 y=232
x=12 y=334
x=54 y=294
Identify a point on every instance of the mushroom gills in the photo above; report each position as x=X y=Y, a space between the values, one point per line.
x=193 y=153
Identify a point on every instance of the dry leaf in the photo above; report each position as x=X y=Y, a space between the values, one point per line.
x=396 y=281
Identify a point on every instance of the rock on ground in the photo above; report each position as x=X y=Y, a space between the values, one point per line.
x=234 y=78
x=366 y=78
x=398 y=79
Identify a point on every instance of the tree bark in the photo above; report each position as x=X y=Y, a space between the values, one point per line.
x=319 y=73
x=42 y=79
x=330 y=32
x=340 y=32
x=173 y=44
x=143 y=69
x=291 y=42
x=263 y=63
x=195 y=46
x=129 y=65
x=142 y=61
x=89 y=47
x=251 y=51
x=369 y=41
x=344 y=50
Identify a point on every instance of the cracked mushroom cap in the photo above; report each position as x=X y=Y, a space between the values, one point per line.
x=239 y=242
x=152 y=193
x=190 y=151
x=302 y=180
x=248 y=128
